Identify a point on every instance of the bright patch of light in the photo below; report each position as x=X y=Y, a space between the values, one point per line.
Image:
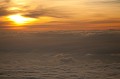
x=19 y=19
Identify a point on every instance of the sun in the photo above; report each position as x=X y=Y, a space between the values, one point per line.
x=20 y=20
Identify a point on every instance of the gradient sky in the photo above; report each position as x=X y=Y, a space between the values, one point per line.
x=62 y=14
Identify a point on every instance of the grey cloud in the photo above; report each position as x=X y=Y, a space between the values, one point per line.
x=111 y=20
x=47 y=11
x=106 y=21
x=3 y=7
x=41 y=10
x=7 y=0
x=63 y=59
x=113 y=1
x=108 y=1
x=3 y=11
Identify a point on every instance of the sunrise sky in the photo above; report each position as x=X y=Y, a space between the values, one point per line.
x=60 y=14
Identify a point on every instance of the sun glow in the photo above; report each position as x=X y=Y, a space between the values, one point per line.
x=20 y=20
x=14 y=8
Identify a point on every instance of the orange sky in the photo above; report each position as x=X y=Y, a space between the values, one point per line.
x=60 y=14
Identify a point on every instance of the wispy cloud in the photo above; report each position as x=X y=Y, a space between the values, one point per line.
x=106 y=1
x=111 y=1
x=106 y=21
x=4 y=4
x=46 y=11
x=40 y=10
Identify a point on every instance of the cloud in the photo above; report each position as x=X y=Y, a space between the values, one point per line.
x=7 y=1
x=4 y=11
x=47 y=11
x=4 y=24
x=80 y=22
x=3 y=7
x=107 y=1
x=106 y=21
x=40 y=10
x=112 y=1
x=63 y=59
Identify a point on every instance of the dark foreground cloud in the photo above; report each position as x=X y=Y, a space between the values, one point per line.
x=90 y=42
